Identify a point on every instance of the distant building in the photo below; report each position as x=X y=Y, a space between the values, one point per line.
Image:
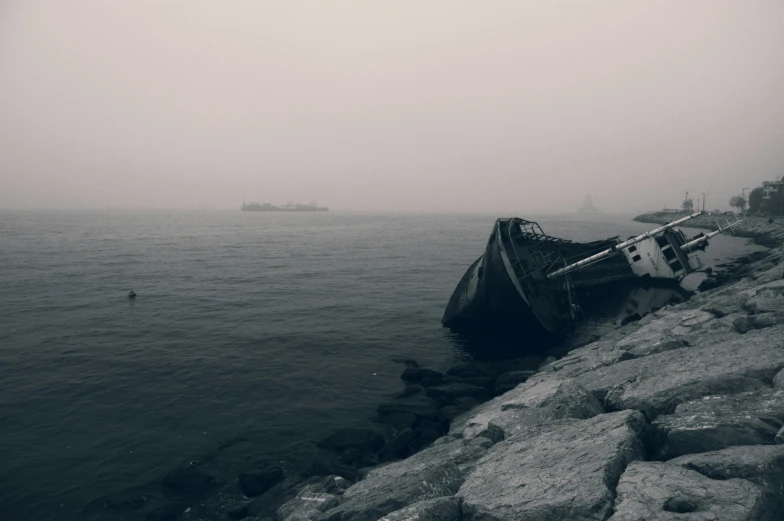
x=771 y=188
x=587 y=206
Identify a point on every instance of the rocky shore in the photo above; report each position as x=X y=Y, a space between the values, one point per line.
x=677 y=415
x=760 y=229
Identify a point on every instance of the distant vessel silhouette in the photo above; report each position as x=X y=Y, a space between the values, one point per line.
x=290 y=207
x=587 y=206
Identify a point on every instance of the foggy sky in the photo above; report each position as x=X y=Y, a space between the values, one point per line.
x=508 y=107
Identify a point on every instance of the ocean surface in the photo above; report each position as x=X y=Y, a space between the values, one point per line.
x=271 y=328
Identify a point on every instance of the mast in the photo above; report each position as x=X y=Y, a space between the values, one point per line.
x=693 y=244
x=616 y=249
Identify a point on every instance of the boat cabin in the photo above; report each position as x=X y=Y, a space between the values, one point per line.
x=661 y=256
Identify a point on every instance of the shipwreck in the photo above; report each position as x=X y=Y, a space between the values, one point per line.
x=539 y=285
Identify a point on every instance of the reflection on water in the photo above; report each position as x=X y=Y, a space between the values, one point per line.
x=604 y=307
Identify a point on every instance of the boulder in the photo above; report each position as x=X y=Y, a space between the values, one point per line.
x=420 y=407
x=411 y=389
x=417 y=374
x=430 y=381
x=760 y=464
x=657 y=383
x=567 y=400
x=763 y=320
x=717 y=422
x=479 y=381
x=508 y=381
x=254 y=484
x=398 y=447
x=654 y=491
x=572 y=400
x=532 y=393
x=716 y=312
x=435 y=472
x=399 y=420
x=771 y=275
x=666 y=330
x=439 y=509
x=426 y=433
x=307 y=505
x=448 y=392
x=743 y=325
x=364 y=439
x=763 y=303
x=563 y=472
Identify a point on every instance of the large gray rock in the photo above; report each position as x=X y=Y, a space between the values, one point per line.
x=659 y=335
x=566 y=472
x=434 y=472
x=565 y=400
x=656 y=384
x=663 y=331
x=766 y=301
x=771 y=275
x=533 y=393
x=439 y=509
x=417 y=374
x=652 y=491
x=760 y=464
x=717 y=422
x=307 y=505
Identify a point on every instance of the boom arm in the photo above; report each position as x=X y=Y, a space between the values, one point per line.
x=615 y=249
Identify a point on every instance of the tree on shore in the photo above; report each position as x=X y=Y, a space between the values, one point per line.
x=736 y=201
x=688 y=204
x=755 y=200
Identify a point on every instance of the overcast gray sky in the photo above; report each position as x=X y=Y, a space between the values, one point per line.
x=498 y=106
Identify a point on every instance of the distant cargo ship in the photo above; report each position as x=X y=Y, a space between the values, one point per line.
x=290 y=207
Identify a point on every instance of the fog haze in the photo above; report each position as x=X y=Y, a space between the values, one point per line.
x=502 y=107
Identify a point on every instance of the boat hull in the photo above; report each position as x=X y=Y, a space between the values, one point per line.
x=506 y=289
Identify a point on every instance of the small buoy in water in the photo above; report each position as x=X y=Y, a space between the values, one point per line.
x=131 y=294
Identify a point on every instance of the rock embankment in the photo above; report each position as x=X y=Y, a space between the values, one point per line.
x=678 y=415
x=760 y=229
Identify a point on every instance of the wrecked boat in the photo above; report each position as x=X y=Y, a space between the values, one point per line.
x=536 y=283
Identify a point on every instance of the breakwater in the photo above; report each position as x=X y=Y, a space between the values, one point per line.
x=677 y=413
x=764 y=232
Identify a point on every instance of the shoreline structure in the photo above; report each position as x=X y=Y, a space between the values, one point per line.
x=679 y=412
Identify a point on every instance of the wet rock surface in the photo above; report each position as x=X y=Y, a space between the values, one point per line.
x=720 y=421
x=651 y=491
x=760 y=464
x=565 y=473
x=432 y=473
x=439 y=509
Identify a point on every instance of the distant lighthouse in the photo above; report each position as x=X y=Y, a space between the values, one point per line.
x=587 y=206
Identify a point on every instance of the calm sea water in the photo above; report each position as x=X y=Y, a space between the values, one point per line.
x=276 y=328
